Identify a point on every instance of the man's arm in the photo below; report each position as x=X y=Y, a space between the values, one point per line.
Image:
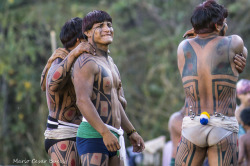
x=83 y=75
x=241 y=150
x=61 y=71
x=134 y=138
x=180 y=57
x=121 y=97
x=120 y=92
x=237 y=46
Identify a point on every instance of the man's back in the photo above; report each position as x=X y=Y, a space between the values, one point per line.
x=208 y=73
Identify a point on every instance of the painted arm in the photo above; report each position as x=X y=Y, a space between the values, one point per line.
x=61 y=72
x=180 y=57
x=238 y=47
x=135 y=139
x=240 y=60
x=241 y=151
x=121 y=96
x=83 y=76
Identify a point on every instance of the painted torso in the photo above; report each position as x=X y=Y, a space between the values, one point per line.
x=62 y=103
x=208 y=74
x=105 y=89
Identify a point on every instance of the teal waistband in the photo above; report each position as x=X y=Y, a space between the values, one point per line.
x=172 y=163
x=85 y=130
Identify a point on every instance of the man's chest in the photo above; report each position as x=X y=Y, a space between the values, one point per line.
x=107 y=77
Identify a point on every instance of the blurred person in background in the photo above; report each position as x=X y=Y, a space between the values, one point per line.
x=244 y=141
x=243 y=94
x=174 y=127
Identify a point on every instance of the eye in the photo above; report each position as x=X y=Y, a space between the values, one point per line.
x=109 y=24
x=101 y=25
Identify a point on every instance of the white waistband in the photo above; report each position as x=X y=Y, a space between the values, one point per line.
x=59 y=122
x=229 y=123
x=61 y=133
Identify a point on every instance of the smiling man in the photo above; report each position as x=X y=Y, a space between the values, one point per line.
x=100 y=99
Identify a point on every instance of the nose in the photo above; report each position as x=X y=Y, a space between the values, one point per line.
x=106 y=28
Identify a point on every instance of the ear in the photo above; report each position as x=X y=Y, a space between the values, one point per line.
x=217 y=27
x=87 y=33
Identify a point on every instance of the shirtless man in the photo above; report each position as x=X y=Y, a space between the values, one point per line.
x=64 y=117
x=244 y=142
x=100 y=98
x=209 y=78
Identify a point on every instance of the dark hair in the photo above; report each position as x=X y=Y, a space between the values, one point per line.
x=96 y=16
x=206 y=15
x=70 y=31
x=245 y=116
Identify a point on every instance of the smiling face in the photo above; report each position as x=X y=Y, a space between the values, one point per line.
x=101 y=33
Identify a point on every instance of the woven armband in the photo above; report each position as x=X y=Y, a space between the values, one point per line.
x=131 y=132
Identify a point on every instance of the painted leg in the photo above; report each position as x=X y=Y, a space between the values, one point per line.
x=224 y=153
x=64 y=153
x=96 y=159
x=114 y=161
x=188 y=154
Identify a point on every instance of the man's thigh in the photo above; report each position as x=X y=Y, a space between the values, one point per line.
x=97 y=159
x=189 y=154
x=64 y=153
x=225 y=152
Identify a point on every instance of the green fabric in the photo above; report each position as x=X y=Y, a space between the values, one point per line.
x=85 y=130
x=172 y=163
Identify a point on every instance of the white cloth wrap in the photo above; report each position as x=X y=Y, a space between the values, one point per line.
x=120 y=132
x=67 y=130
x=229 y=123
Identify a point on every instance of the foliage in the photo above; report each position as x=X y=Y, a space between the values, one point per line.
x=147 y=34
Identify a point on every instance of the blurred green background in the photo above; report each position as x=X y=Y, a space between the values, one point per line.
x=147 y=33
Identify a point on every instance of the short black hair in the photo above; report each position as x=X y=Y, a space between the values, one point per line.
x=206 y=15
x=96 y=16
x=70 y=31
x=245 y=116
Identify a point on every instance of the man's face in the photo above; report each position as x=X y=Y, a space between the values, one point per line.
x=245 y=98
x=102 y=33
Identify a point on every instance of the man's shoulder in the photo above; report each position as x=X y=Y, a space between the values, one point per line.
x=87 y=56
x=237 y=43
x=86 y=60
x=185 y=41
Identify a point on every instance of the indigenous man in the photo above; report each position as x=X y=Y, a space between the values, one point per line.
x=64 y=117
x=175 y=121
x=209 y=78
x=100 y=98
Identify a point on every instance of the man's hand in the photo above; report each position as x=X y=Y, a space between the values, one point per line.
x=83 y=47
x=111 y=142
x=189 y=34
x=137 y=142
x=240 y=62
